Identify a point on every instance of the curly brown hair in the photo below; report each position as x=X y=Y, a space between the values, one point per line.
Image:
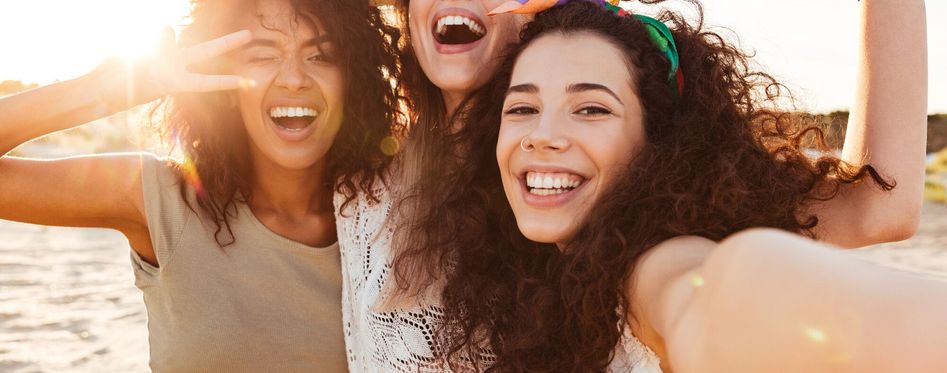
x=210 y=132
x=719 y=159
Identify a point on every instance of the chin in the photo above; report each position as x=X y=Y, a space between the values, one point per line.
x=296 y=161
x=545 y=233
x=458 y=79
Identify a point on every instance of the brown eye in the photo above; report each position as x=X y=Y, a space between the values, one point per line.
x=262 y=59
x=521 y=110
x=593 y=111
x=319 y=58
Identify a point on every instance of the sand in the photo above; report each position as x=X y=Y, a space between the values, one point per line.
x=68 y=304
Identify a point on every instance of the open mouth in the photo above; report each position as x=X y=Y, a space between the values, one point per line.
x=458 y=30
x=293 y=119
x=549 y=184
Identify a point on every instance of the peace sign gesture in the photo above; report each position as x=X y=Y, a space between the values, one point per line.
x=166 y=72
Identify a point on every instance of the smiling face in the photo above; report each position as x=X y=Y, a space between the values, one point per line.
x=457 y=44
x=580 y=122
x=293 y=112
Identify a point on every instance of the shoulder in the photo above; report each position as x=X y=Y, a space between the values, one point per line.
x=155 y=168
x=674 y=255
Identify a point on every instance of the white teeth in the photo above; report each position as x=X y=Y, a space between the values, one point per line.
x=551 y=183
x=547 y=192
x=293 y=112
x=457 y=21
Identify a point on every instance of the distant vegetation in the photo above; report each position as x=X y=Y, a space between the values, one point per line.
x=835 y=123
x=118 y=133
x=14 y=86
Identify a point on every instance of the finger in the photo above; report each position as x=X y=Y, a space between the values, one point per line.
x=216 y=47
x=168 y=38
x=211 y=83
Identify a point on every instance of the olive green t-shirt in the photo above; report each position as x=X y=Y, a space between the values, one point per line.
x=262 y=304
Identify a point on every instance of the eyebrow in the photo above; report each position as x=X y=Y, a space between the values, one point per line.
x=522 y=88
x=573 y=88
x=270 y=43
x=583 y=87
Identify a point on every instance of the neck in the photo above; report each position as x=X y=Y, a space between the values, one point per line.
x=452 y=100
x=287 y=192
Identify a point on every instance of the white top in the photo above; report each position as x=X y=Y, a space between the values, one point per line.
x=402 y=341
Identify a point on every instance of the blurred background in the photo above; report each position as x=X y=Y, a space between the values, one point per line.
x=67 y=300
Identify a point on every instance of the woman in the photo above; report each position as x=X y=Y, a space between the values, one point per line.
x=388 y=245
x=613 y=221
x=235 y=248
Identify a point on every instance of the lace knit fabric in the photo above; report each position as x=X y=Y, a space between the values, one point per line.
x=402 y=341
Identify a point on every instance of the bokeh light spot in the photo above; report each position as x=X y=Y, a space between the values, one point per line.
x=697 y=281
x=390 y=146
x=815 y=334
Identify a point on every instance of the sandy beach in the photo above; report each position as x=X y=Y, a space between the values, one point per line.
x=68 y=304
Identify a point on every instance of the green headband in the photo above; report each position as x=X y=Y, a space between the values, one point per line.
x=662 y=39
x=659 y=34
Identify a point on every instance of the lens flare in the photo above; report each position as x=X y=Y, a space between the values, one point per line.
x=191 y=177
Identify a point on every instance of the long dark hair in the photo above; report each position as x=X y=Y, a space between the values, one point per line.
x=425 y=140
x=210 y=132
x=719 y=159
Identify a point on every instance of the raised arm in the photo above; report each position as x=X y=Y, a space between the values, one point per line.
x=887 y=129
x=766 y=300
x=94 y=191
x=112 y=87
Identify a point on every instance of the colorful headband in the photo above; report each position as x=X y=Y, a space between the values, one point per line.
x=660 y=35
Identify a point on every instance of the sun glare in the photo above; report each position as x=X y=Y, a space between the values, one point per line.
x=134 y=28
x=60 y=39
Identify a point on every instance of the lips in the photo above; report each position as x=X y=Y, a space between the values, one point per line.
x=550 y=187
x=457 y=30
x=293 y=118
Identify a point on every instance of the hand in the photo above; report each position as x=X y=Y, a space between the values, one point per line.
x=127 y=84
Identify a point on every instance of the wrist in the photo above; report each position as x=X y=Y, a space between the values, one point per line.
x=104 y=87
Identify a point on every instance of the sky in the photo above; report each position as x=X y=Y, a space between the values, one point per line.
x=809 y=44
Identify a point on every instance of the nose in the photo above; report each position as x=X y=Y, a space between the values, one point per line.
x=292 y=76
x=548 y=135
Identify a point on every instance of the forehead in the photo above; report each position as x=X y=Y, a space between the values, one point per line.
x=559 y=59
x=267 y=17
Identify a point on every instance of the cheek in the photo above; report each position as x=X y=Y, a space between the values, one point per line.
x=506 y=152
x=417 y=16
x=612 y=151
x=261 y=74
x=507 y=145
x=330 y=82
x=251 y=103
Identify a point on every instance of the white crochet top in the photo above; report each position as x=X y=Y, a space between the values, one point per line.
x=402 y=341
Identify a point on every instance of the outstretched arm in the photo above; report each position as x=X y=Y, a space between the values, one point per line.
x=766 y=300
x=887 y=129
x=94 y=191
